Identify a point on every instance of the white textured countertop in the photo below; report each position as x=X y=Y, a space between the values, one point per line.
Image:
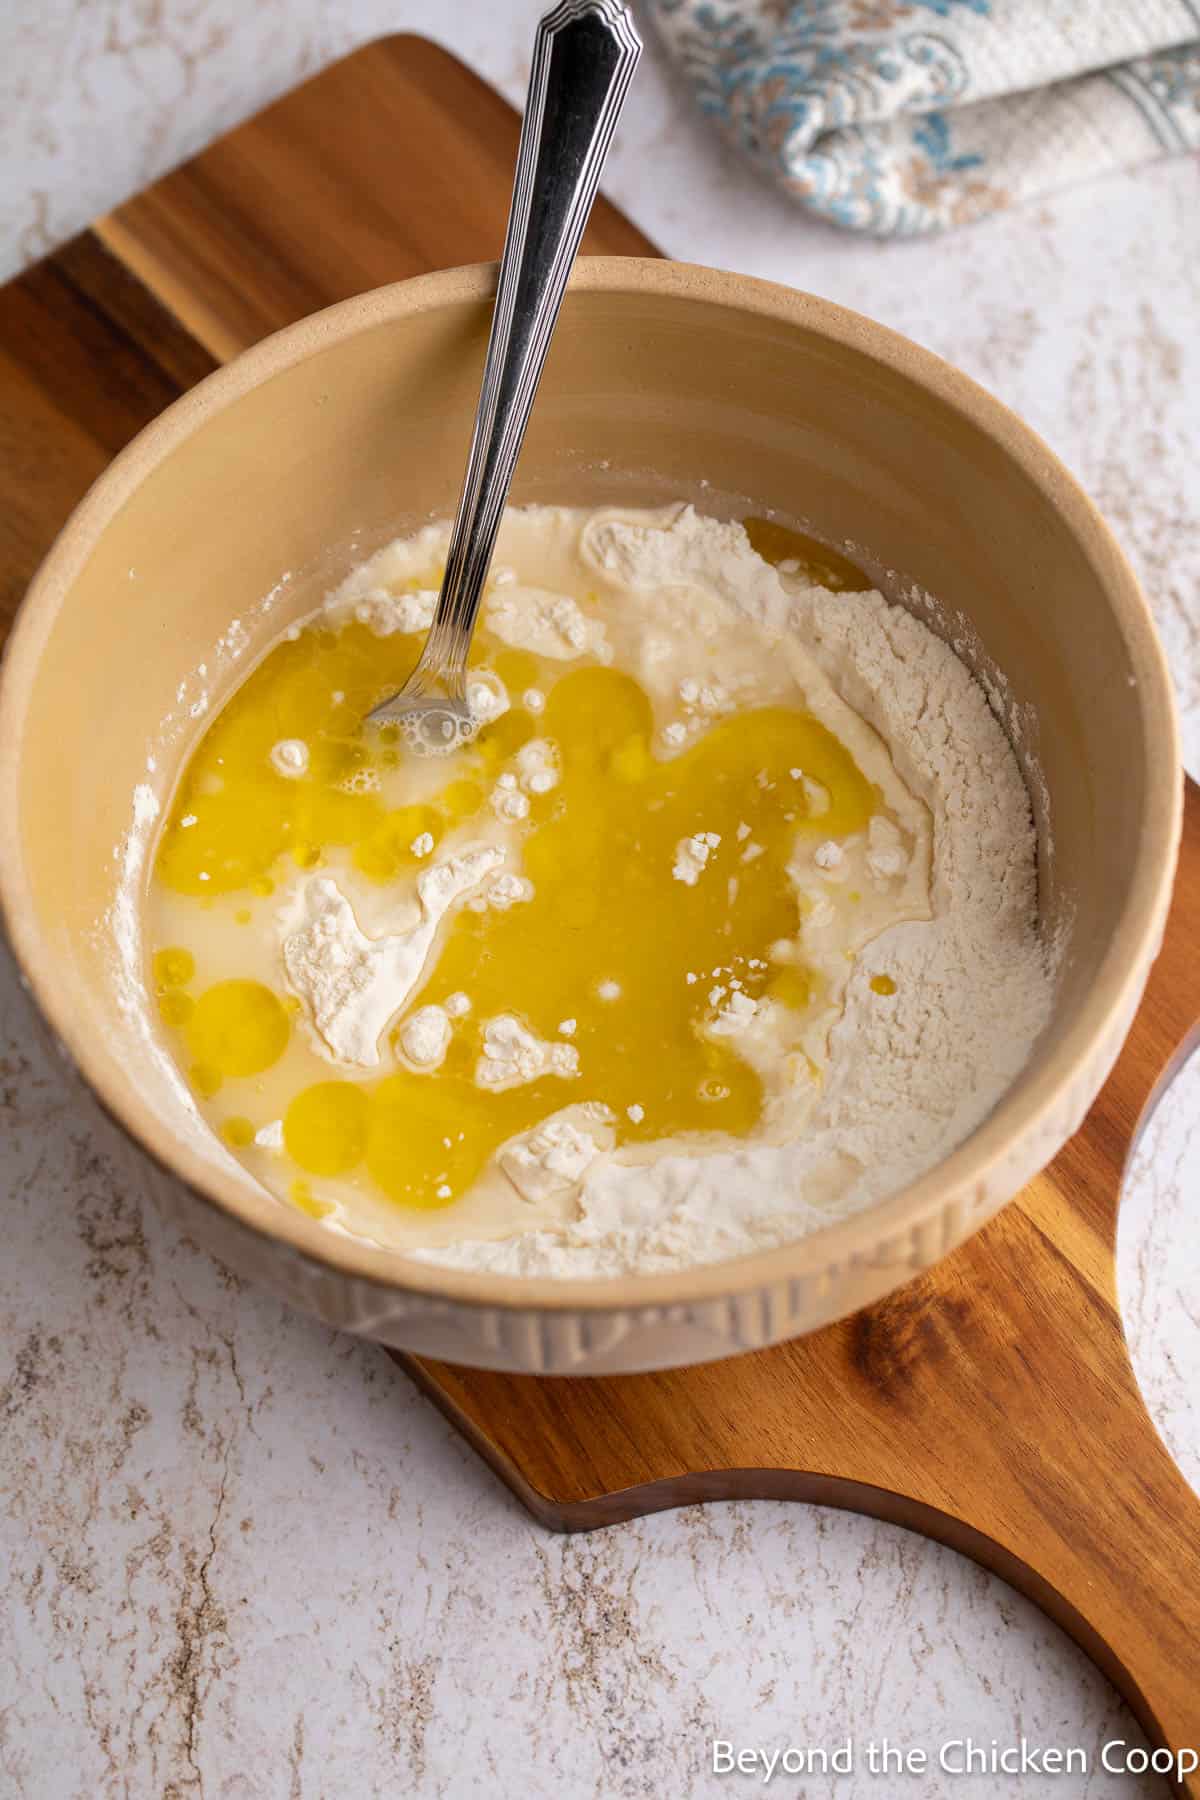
x=240 y=1556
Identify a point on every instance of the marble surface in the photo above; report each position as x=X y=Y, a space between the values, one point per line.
x=241 y=1557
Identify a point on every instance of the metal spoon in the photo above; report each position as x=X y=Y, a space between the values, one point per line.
x=584 y=56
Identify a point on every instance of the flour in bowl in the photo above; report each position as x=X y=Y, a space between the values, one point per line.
x=749 y=938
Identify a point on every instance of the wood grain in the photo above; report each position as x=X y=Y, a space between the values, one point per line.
x=394 y=162
x=87 y=357
x=990 y=1404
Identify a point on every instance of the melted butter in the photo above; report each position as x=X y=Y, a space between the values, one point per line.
x=302 y=1198
x=235 y=1028
x=173 y=967
x=326 y=1127
x=235 y=816
x=816 y=562
x=641 y=961
x=608 y=914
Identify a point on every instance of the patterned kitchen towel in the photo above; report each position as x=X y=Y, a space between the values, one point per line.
x=905 y=116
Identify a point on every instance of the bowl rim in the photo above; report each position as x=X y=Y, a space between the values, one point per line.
x=855 y=1240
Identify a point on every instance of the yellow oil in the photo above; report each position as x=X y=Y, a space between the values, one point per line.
x=824 y=567
x=236 y=1028
x=638 y=960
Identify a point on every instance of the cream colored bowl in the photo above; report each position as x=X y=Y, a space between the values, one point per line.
x=664 y=381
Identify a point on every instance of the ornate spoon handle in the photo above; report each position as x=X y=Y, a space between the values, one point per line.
x=585 y=53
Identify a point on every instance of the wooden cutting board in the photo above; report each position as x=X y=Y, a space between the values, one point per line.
x=990 y=1404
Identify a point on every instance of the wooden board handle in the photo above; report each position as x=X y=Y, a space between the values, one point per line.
x=936 y=1410
x=1104 y=1530
x=991 y=1404
x=1062 y=1486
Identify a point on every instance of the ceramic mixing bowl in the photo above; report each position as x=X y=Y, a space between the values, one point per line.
x=233 y=512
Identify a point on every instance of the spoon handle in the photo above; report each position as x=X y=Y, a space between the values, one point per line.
x=584 y=56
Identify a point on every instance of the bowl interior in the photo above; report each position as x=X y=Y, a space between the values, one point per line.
x=256 y=494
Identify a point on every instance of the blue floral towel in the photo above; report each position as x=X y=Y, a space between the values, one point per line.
x=904 y=116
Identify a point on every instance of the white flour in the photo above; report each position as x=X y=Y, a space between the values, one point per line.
x=290 y=757
x=553 y=1158
x=906 y=1075
x=512 y=1055
x=691 y=856
x=425 y=1037
x=909 y=1075
x=350 y=984
x=548 y=624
